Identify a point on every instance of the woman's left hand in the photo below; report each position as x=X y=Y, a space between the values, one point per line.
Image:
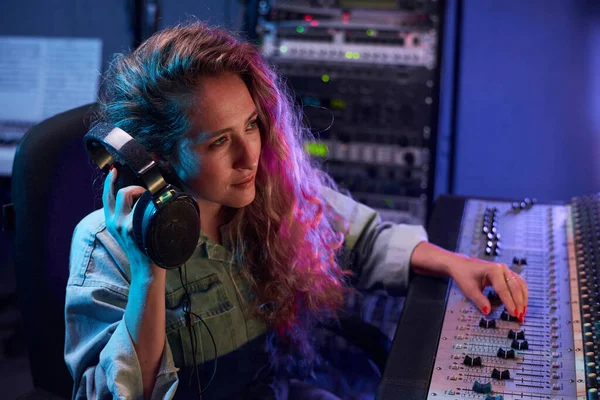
x=472 y=275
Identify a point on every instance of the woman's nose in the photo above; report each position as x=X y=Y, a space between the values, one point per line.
x=247 y=157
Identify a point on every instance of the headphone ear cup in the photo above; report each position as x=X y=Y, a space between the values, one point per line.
x=141 y=206
x=169 y=234
x=172 y=231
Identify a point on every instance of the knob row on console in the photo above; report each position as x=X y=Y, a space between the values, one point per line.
x=586 y=228
x=525 y=204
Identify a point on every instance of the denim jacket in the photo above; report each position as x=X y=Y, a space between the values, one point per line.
x=99 y=351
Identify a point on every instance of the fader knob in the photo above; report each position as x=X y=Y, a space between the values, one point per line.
x=488 y=324
x=472 y=362
x=494 y=298
x=506 y=354
x=519 y=345
x=520 y=335
x=496 y=374
x=505 y=316
x=519 y=261
x=493 y=397
x=482 y=387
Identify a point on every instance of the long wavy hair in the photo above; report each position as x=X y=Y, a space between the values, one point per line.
x=287 y=240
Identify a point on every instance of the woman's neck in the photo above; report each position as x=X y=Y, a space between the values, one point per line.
x=212 y=217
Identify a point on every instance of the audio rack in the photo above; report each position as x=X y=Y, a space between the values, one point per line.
x=366 y=75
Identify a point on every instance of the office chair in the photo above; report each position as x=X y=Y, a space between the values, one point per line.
x=51 y=192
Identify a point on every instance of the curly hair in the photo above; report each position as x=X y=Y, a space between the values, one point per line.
x=287 y=239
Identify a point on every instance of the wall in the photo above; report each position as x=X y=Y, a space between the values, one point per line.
x=529 y=99
x=109 y=20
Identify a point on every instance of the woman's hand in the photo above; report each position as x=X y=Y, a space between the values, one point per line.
x=472 y=275
x=118 y=212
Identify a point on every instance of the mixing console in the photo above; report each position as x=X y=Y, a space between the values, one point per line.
x=554 y=352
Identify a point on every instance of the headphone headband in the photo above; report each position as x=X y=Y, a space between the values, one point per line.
x=105 y=144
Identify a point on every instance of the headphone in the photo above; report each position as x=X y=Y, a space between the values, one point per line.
x=166 y=221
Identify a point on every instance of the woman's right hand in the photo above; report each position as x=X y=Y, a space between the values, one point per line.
x=118 y=212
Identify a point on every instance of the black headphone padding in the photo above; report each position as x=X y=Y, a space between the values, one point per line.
x=170 y=236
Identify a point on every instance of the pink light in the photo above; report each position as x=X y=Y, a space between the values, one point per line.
x=314 y=22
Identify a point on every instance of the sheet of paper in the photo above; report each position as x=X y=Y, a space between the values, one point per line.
x=41 y=77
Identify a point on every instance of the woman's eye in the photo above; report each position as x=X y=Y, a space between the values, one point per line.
x=252 y=125
x=219 y=142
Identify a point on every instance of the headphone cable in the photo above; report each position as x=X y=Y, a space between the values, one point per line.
x=187 y=309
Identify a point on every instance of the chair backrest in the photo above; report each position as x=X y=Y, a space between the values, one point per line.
x=52 y=190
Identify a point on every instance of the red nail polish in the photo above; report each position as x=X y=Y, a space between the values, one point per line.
x=486 y=310
x=111 y=168
x=516 y=312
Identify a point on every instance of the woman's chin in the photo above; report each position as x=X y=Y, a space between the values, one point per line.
x=240 y=201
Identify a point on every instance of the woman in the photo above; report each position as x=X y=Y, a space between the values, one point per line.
x=279 y=246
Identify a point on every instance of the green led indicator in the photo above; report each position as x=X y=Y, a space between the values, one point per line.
x=316 y=149
x=165 y=197
x=370 y=32
x=356 y=55
x=299 y=29
x=349 y=55
x=283 y=49
x=338 y=104
x=325 y=78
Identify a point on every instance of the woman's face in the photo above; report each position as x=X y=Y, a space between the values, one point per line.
x=219 y=158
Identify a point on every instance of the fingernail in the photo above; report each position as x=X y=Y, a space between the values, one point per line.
x=521 y=316
x=486 y=310
x=516 y=312
x=111 y=168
